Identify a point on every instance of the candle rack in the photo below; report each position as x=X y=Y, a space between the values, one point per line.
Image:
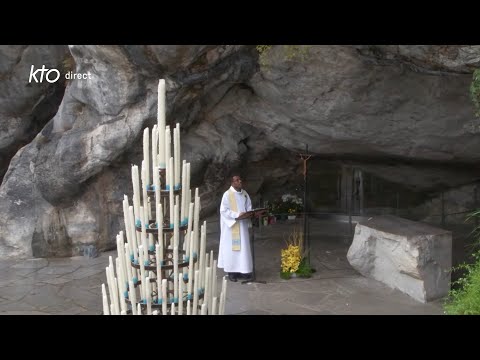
x=183 y=280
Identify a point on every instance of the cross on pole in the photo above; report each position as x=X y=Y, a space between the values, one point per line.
x=305 y=157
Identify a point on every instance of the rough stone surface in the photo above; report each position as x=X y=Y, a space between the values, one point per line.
x=412 y=257
x=26 y=107
x=372 y=103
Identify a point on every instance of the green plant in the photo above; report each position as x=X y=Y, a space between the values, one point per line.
x=262 y=53
x=464 y=296
x=294 y=257
x=475 y=91
x=291 y=53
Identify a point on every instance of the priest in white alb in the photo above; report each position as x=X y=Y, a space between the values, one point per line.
x=234 y=254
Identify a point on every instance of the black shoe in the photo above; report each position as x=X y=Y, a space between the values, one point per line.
x=232 y=277
x=247 y=276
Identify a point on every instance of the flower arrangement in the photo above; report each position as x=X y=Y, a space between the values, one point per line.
x=289 y=204
x=293 y=257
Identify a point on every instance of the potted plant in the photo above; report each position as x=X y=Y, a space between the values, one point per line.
x=294 y=260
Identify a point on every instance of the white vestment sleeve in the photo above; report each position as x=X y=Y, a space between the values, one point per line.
x=228 y=215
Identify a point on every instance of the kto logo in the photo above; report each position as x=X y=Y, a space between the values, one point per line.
x=51 y=78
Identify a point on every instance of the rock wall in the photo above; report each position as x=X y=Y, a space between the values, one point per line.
x=370 y=104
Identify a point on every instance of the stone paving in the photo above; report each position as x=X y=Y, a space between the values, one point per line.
x=73 y=285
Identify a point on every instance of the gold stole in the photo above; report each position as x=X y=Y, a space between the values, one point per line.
x=236 y=226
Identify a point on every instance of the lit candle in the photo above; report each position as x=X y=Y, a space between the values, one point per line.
x=146 y=155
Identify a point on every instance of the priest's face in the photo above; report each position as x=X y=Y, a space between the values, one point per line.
x=237 y=183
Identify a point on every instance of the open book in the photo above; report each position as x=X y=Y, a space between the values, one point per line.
x=252 y=213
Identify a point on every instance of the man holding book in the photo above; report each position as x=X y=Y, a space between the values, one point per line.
x=234 y=254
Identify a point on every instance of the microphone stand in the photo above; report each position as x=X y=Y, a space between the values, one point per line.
x=252 y=243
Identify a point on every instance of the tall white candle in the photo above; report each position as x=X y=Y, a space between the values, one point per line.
x=175 y=273
x=187 y=187
x=171 y=193
x=189 y=230
x=214 y=306
x=154 y=147
x=184 y=193
x=195 y=293
x=144 y=235
x=190 y=269
x=214 y=279
x=164 y=297
x=149 y=295
x=202 y=256
x=106 y=310
x=160 y=231
x=139 y=309
x=156 y=183
x=204 y=309
x=125 y=218
x=132 y=294
x=168 y=145
x=128 y=263
x=189 y=312
x=146 y=154
x=206 y=294
x=144 y=186
x=136 y=191
x=133 y=233
x=224 y=293
x=173 y=309
x=121 y=288
x=159 y=271
x=161 y=109
x=142 y=272
x=180 y=294
x=196 y=225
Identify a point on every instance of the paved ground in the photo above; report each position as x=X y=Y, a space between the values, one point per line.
x=73 y=285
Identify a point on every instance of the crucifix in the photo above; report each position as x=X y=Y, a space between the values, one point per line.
x=305 y=157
